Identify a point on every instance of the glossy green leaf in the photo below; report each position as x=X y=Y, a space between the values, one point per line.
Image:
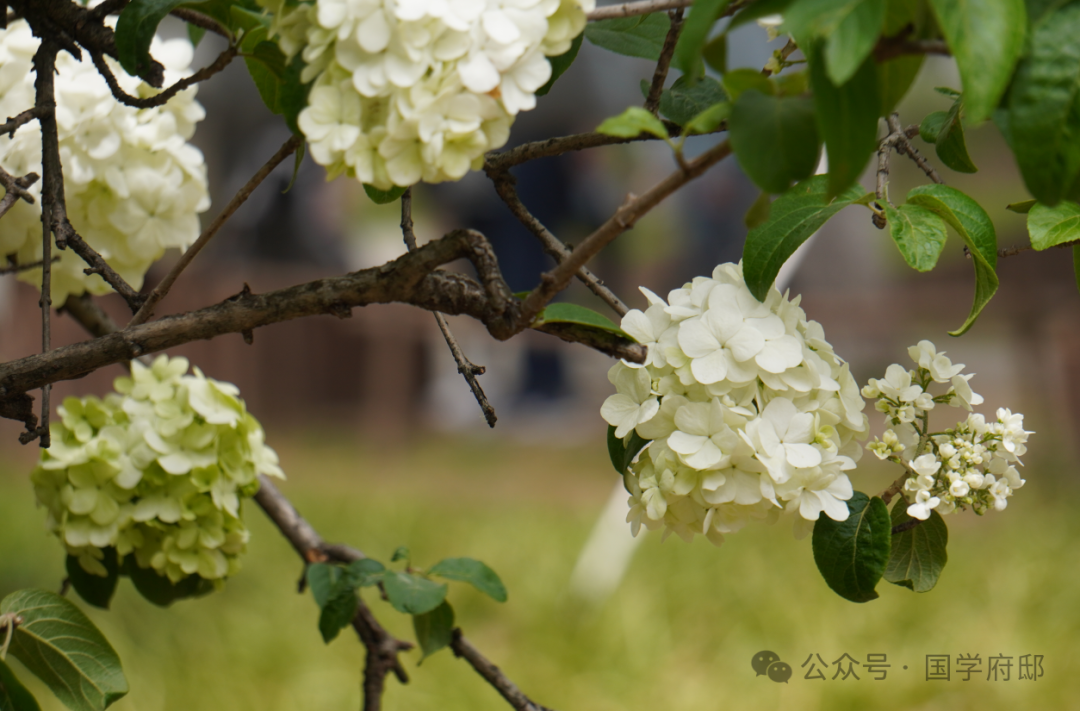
x=793 y=217
x=383 y=197
x=434 y=629
x=775 y=139
x=195 y=34
x=622 y=453
x=918 y=233
x=13 y=695
x=847 y=118
x=709 y=120
x=853 y=36
x=293 y=94
x=561 y=63
x=1051 y=226
x=365 y=572
x=715 y=54
x=135 y=30
x=686 y=98
x=739 y=80
x=950 y=145
x=918 y=555
x=758 y=212
x=851 y=555
x=1044 y=107
x=339 y=610
x=640 y=36
x=161 y=591
x=572 y=313
x=473 y=572
x=321 y=578
x=791 y=83
x=758 y=10
x=975 y=228
x=413 y=594
x=986 y=38
x=60 y=645
x=96 y=590
x=894 y=79
x=695 y=32
x=931 y=125
x=1023 y=207
x=266 y=65
x=633 y=122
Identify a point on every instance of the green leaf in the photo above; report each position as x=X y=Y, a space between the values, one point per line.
x=791 y=83
x=851 y=555
x=894 y=78
x=623 y=453
x=434 y=629
x=847 y=119
x=793 y=217
x=135 y=29
x=986 y=38
x=365 y=572
x=195 y=34
x=413 y=594
x=1051 y=226
x=13 y=695
x=757 y=10
x=715 y=54
x=640 y=36
x=918 y=555
x=473 y=572
x=975 y=227
x=758 y=212
x=695 y=31
x=850 y=41
x=739 y=80
x=560 y=64
x=918 y=233
x=1044 y=107
x=775 y=138
x=572 y=313
x=932 y=125
x=709 y=120
x=321 y=579
x=400 y=553
x=1023 y=207
x=384 y=197
x=950 y=145
x=161 y=591
x=60 y=645
x=96 y=590
x=633 y=122
x=293 y=94
x=245 y=19
x=339 y=610
x=266 y=65
x=686 y=98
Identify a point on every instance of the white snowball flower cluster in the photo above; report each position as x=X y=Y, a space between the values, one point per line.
x=156 y=470
x=973 y=464
x=420 y=89
x=133 y=184
x=746 y=408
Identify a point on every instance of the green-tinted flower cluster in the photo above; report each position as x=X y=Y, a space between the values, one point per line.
x=157 y=471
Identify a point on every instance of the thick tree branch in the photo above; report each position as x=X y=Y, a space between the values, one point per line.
x=160 y=99
x=159 y=292
x=624 y=218
x=200 y=20
x=467 y=368
x=463 y=649
x=652 y=101
x=553 y=246
x=89 y=315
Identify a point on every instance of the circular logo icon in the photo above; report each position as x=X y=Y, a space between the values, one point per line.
x=762 y=660
x=779 y=671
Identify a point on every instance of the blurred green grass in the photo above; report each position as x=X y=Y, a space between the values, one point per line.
x=678 y=634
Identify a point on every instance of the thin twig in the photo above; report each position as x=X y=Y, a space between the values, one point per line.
x=624 y=218
x=160 y=99
x=467 y=368
x=906 y=526
x=552 y=245
x=892 y=47
x=17 y=191
x=652 y=101
x=159 y=292
x=200 y=20
x=632 y=9
x=781 y=56
x=66 y=236
x=562 y=144
x=89 y=315
x=463 y=649
x=884 y=150
x=15 y=268
x=13 y=123
x=904 y=147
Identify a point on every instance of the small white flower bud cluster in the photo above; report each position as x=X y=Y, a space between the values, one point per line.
x=747 y=409
x=133 y=184
x=419 y=89
x=156 y=470
x=970 y=465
